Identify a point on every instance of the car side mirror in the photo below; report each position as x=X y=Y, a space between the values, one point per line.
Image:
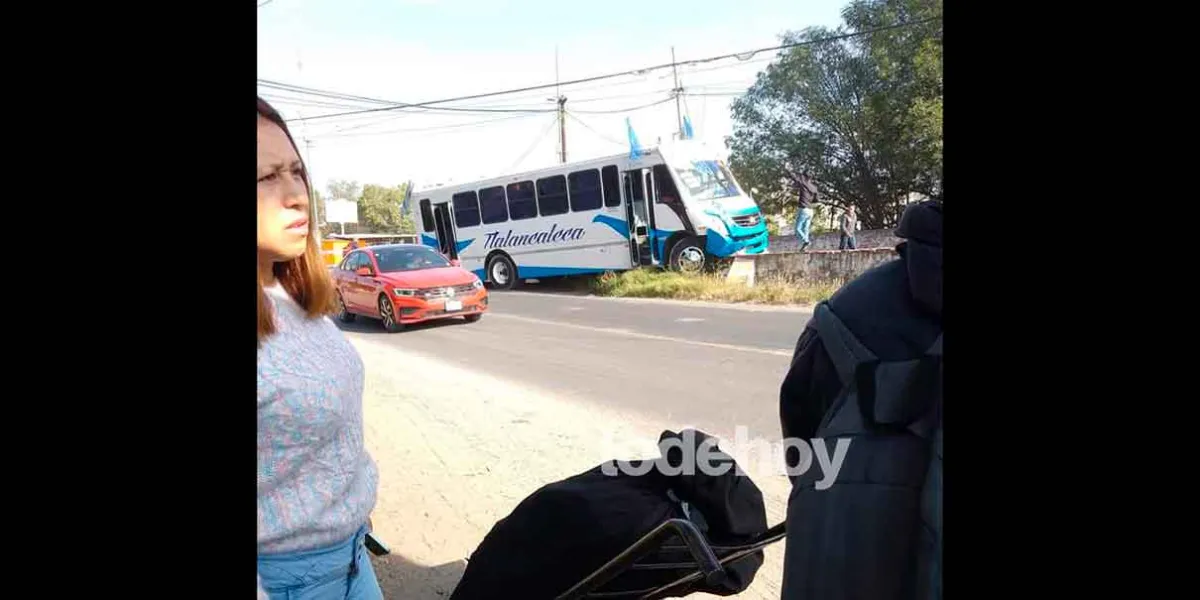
x=454 y=262
x=363 y=271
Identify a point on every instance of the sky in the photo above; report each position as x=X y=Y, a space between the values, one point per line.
x=421 y=50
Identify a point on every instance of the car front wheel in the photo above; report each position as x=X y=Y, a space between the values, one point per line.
x=388 y=315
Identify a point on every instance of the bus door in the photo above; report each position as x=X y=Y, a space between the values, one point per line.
x=444 y=230
x=639 y=186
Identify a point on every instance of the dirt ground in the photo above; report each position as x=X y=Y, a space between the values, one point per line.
x=458 y=450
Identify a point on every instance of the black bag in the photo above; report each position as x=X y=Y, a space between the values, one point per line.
x=876 y=532
x=566 y=530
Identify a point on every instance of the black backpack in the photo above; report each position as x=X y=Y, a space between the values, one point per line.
x=876 y=532
x=567 y=529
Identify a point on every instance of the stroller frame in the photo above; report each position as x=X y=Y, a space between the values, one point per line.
x=710 y=561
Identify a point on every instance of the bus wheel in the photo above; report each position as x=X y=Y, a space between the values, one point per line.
x=502 y=273
x=688 y=256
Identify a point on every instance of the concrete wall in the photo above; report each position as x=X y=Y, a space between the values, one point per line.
x=867 y=238
x=823 y=265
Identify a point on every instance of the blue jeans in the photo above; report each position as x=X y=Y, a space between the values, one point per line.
x=343 y=572
x=803 y=223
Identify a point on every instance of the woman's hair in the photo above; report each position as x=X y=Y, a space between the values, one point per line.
x=304 y=277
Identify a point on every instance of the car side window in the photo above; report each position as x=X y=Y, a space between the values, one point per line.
x=357 y=261
x=363 y=261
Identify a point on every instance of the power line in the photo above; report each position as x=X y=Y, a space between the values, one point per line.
x=336 y=135
x=743 y=56
x=390 y=105
x=593 y=130
x=532 y=147
x=657 y=102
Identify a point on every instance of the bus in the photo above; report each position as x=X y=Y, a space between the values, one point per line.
x=674 y=206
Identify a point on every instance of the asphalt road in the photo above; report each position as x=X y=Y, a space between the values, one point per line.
x=703 y=365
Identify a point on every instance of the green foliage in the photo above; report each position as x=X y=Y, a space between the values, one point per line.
x=379 y=208
x=863 y=115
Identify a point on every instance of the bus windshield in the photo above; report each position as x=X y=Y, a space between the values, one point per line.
x=707 y=180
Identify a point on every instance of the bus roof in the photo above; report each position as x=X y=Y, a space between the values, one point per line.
x=669 y=146
x=531 y=173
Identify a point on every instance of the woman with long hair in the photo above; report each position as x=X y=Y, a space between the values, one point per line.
x=316 y=482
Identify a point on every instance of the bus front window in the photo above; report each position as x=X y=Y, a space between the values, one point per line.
x=707 y=180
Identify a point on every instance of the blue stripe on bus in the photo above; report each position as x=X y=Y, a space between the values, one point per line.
x=618 y=225
x=536 y=272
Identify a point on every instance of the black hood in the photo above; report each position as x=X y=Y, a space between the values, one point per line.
x=921 y=229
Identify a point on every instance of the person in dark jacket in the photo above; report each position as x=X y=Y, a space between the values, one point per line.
x=847 y=226
x=877 y=306
x=804 y=214
x=895 y=310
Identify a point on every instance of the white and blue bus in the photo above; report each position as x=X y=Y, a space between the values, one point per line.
x=674 y=206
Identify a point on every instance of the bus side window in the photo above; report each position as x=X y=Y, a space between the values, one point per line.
x=585 y=190
x=612 y=186
x=552 y=195
x=667 y=192
x=492 y=206
x=466 y=209
x=426 y=215
x=521 y=203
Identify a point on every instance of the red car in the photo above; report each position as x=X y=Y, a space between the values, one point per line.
x=401 y=284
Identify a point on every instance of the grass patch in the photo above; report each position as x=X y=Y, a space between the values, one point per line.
x=654 y=283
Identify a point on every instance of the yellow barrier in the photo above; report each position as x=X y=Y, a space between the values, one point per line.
x=331 y=250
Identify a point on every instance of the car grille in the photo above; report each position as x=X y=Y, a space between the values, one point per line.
x=747 y=220
x=459 y=290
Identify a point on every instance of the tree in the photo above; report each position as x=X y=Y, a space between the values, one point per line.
x=862 y=114
x=342 y=190
x=379 y=210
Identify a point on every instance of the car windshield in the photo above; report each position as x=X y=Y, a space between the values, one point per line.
x=707 y=180
x=408 y=258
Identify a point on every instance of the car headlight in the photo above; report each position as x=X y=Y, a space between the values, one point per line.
x=402 y=292
x=478 y=283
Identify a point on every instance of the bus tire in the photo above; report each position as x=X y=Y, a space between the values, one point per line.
x=501 y=272
x=688 y=256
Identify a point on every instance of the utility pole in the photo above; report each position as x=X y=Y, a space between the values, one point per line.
x=678 y=90
x=562 y=128
x=314 y=223
x=562 y=113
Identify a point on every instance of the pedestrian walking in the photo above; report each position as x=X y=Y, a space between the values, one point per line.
x=316 y=482
x=806 y=200
x=867 y=370
x=848 y=224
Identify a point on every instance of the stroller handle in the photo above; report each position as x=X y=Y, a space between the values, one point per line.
x=710 y=567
